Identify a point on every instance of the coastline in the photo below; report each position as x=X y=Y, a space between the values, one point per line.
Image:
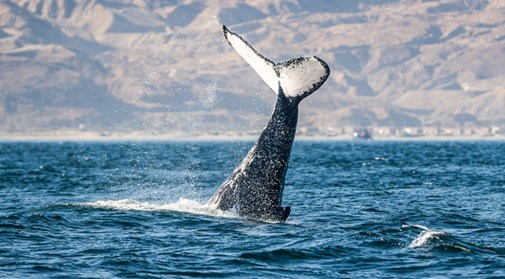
x=76 y=136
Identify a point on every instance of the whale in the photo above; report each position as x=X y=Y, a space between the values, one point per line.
x=255 y=187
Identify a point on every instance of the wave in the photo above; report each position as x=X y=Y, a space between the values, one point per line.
x=182 y=205
x=443 y=241
x=284 y=254
x=425 y=237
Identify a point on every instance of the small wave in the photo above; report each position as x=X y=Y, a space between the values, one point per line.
x=424 y=237
x=283 y=254
x=436 y=239
x=182 y=205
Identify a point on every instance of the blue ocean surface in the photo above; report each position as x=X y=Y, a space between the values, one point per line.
x=366 y=209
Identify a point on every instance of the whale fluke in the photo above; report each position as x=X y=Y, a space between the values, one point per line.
x=297 y=78
x=255 y=187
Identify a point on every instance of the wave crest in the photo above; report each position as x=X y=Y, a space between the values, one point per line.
x=437 y=240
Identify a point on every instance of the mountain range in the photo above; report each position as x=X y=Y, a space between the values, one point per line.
x=163 y=67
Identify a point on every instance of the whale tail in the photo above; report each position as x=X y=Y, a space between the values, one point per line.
x=296 y=78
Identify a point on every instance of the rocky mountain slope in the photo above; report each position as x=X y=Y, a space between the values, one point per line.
x=164 y=67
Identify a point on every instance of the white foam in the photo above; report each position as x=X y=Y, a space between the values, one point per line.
x=182 y=205
x=424 y=237
x=415 y=226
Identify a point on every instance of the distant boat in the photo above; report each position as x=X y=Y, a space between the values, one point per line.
x=362 y=133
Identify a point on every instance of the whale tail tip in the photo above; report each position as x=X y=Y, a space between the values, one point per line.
x=296 y=78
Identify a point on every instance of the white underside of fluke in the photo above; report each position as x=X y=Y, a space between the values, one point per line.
x=297 y=77
x=264 y=67
x=301 y=75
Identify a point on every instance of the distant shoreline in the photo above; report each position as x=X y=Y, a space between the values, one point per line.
x=96 y=136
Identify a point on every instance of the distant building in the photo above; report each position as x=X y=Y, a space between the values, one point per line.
x=362 y=133
x=411 y=132
x=382 y=131
x=430 y=131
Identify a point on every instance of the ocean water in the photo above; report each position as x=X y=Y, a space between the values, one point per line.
x=359 y=210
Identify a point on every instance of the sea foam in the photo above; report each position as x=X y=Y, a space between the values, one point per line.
x=182 y=205
x=424 y=237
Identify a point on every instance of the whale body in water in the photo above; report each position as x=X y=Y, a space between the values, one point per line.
x=254 y=189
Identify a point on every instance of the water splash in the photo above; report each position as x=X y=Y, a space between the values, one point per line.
x=210 y=98
x=439 y=240
x=182 y=205
x=424 y=237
